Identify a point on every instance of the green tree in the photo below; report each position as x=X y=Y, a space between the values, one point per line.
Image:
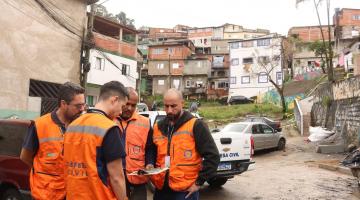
x=320 y=49
x=329 y=52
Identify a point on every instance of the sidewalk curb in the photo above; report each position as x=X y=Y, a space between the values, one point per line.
x=337 y=168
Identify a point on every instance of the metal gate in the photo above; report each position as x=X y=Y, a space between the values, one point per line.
x=47 y=91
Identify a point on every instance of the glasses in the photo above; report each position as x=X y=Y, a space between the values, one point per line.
x=79 y=105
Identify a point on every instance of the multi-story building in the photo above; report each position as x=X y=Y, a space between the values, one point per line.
x=114 y=56
x=249 y=76
x=166 y=61
x=201 y=37
x=195 y=77
x=304 y=59
x=347 y=33
x=40 y=48
x=232 y=31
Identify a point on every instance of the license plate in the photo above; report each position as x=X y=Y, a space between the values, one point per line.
x=224 y=166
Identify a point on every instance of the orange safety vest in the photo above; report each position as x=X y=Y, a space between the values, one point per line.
x=85 y=174
x=185 y=161
x=47 y=174
x=137 y=130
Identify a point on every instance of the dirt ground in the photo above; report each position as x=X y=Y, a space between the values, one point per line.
x=289 y=174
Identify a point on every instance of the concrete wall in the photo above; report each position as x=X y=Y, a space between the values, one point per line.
x=194 y=67
x=220 y=46
x=159 y=88
x=34 y=46
x=343 y=118
x=343 y=112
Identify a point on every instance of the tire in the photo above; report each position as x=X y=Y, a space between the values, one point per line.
x=218 y=182
x=281 y=144
x=11 y=194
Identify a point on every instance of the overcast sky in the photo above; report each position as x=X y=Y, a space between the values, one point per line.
x=275 y=15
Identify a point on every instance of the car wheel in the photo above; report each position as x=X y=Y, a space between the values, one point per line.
x=218 y=182
x=11 y=194
x=281 y=144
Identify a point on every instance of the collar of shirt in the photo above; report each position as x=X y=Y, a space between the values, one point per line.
x=93 y=110
x=57 y=121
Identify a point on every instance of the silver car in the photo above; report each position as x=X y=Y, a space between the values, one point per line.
x=264 y=136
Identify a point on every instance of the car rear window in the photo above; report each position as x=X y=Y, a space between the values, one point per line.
x=11 y=138
x=235 y=127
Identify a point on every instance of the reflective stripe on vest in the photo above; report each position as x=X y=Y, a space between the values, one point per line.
x=185 y=161
x=136 y=137
x=47 y=175
x=86 y=174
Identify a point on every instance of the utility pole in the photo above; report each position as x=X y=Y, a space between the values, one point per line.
x=88 y=45
x=169 y=77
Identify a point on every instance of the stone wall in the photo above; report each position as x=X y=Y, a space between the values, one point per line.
x=340 y=102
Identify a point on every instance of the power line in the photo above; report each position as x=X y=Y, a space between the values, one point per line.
x=113 y=63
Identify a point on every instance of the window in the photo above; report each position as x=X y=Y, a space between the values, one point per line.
x=158 y=51
x=234 y=45
x=264 y=60
x=171 y=51
x=188 y=84
x=175 y=65
x=279 y=78
x=247 y=61
x=205 y=41
x=160 y=66
x=266 y=129
x=356 y=17
x=263 y=77
x=245 y=79
x=232 y=80
x=125 y=69
x=234 y=61
x=265 y=42
x=247 y=44
x=176 y=83
x=223 y=85
x=161 y=82
x=256 y=129
x=99 y=64
x=90 y=100
x=199 y=84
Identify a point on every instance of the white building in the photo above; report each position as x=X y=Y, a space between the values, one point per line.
x=252 y=62
x=113 y=58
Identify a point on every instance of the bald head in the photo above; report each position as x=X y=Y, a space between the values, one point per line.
x=173 y=93
x=130 y=107
x=173 y=103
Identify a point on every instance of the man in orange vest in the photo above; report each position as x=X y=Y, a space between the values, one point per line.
x=43 y=145
x=93 y=150
x=185 y=146
x=136 y=134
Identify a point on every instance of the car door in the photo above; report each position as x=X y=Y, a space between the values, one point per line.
x=259 y=137
x=269 y=135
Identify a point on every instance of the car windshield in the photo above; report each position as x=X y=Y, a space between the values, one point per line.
x=253 y=120
x=235 y=127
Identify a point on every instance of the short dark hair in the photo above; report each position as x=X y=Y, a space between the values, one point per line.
x=68 y=90
x=113 y=88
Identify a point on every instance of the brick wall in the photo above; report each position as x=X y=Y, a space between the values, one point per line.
x=178 y=52
x=114 y=45
x=346 y=17
x=310 y=33
x=344 y=117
